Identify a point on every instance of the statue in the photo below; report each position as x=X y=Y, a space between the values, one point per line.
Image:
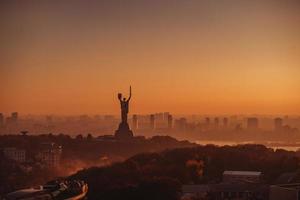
x=124 y=106
x=123 y=131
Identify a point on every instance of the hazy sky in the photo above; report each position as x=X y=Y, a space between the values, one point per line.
x=182 y=56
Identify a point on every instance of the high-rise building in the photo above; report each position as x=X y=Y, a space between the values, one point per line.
x=252 y=123
x=12 y=120
x=166 y=116
x=14 y=117
x=207 y=125
x=159 y=116
x=1 y=120
x=216 y=121
x=225 y=122
x=181 y=124
x=152 y=122
x=278 y=124
x=134 y=122
x=170 y=121
x=207 y=120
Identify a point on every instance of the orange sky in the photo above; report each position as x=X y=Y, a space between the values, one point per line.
x=193 y=57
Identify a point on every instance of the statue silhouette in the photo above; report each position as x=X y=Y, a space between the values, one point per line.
x=123 y=132
x=124 y=106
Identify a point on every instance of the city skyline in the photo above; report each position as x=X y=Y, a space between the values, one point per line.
x=207 y=57
x=150 y=99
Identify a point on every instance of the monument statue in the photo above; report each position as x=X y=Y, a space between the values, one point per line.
x=123 y=131
x=124 y=106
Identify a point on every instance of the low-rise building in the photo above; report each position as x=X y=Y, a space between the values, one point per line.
x=239 y=191
x=244 y=176
x=238 y=185
x=50 y=154
x=194 y=191
x=13 y=153
x=230 y=190
x=286 y=192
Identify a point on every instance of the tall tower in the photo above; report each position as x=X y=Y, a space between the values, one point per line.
x=278 y=124
x=14 y=117
x=1 y=120
x=170 y=121
x=216 y=122
x=152 y=122
x=207 y=121
x=166 y=115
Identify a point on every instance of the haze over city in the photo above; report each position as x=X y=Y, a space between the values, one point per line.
x=187 y=57
x=150 y=99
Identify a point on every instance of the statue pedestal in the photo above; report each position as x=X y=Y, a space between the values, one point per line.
x=123 y=131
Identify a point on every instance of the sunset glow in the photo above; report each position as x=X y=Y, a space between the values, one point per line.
x=192 y=57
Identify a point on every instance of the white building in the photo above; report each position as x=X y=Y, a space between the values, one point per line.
x=245 y=176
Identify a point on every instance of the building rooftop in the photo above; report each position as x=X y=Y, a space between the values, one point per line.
x=242 y=173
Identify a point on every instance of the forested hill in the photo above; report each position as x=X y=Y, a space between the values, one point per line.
x=160 y=175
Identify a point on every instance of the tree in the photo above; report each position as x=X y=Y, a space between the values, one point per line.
x=79 y=137
x=89 y=137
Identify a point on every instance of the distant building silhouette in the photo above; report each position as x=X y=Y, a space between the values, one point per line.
x=207 y=120
x=181 y=124
x=216 y=122
x=207 y=123
x=1 y=120
x=225 y=122
x=14 y=117
x=152 y=122
x=278 y=124
x=134 y=122
x=252 y=123
x=170 y=121
x=159 y=116
x=166 y=116
x=161 y=120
